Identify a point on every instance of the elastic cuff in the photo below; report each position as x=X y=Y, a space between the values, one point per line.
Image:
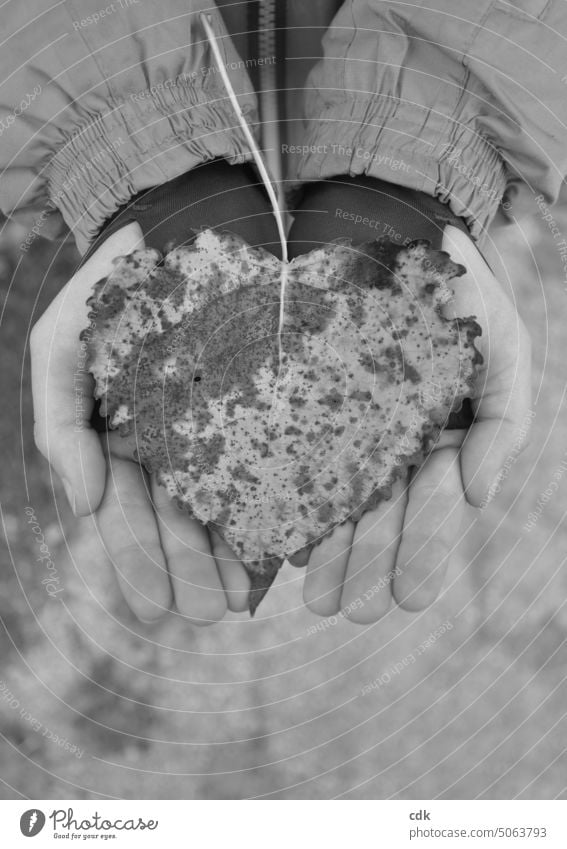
x=149 y=139
x=410 y=146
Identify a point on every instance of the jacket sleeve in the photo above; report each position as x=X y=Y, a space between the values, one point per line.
x=453 y=98
x=100 y=102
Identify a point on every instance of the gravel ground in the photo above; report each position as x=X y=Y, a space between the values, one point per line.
x=94 y=705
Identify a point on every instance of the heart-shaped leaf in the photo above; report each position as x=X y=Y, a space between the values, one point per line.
x=275 y=448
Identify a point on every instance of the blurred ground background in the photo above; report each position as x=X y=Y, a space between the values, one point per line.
x=263 y=708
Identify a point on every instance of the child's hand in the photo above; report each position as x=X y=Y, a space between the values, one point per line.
x=159 y=554
x=403 y=547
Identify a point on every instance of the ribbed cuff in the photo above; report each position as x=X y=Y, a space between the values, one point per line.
x=409 y=146
x=146 y=140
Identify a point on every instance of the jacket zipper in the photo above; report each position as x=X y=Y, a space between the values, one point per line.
x=266 y=26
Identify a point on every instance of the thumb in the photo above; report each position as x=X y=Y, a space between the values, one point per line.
x=63 y=403
x=62 y=388
x=502 y=392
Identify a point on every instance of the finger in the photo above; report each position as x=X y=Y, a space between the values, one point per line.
x=326 y=570
x=367 y=593
x=61 y=387
x=129 y=531
x=432 y=520
x=502 y=391
x=233 y=575
x=197 y=588
x=63 y=404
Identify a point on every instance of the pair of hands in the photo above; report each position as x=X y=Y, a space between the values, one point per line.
x=401 y=549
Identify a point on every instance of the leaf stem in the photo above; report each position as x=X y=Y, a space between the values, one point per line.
x=263 y=171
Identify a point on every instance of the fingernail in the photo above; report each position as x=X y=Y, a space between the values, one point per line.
x=70 y=495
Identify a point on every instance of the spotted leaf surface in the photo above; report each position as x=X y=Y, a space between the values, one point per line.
x=276 y=452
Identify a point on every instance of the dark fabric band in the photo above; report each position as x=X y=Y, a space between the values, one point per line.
x=363 y=209
x=217 y=195
x=228 y=197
